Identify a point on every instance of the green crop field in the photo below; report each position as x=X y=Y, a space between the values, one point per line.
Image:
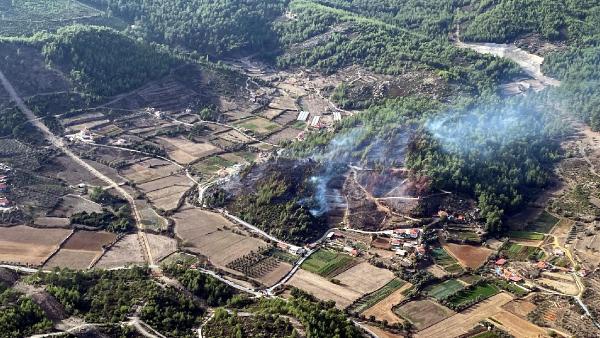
x=480 y=292
x=530 y=235
x=375 y=297
x=543 y=223
x=326 y=262
x=445 y=289
x=443 y=259
x=25 y=17
x=511 y=287
x=520 y=252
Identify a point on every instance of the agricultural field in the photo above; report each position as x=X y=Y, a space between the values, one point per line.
x=518 y=252
x=527 y=235
x=544 y=223
x=214 y=165
x=464 y=298
x=469 y=256
x=447 y=262
x=364 y=277
x=324 y=289
x=444 y=289
x=461 y=323
x=328 y=263
x=563 y=283
x=72 y=259
x=262 y=267
x=212 y=235
x=23 y=245
x=257 y=125
x=424 y=313
x=149 y=218
x=183 y=151
x=377 y=296
x=126 y=251
x=494 y=309
x=383 y=309
x=161 y=246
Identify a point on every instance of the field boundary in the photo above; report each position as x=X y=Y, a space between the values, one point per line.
x=60 y=245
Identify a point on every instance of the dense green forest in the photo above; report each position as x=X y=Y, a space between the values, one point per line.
x=211 y=27
x=19 y=315
x=383 y=47
x=505 y=20
x=321 y=319
x=103 y=61
x=579 y=92
x=112 y=296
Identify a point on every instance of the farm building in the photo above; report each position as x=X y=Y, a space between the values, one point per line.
x=407 y=233
x=315 y=121
x=337 y=116
x=302 y=116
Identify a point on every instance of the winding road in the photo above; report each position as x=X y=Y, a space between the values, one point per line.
x=60 y=144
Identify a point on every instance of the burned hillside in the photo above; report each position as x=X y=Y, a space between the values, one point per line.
x=277 y=197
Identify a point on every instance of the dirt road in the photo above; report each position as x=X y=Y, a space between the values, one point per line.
x=530 y=63
x=59 y=143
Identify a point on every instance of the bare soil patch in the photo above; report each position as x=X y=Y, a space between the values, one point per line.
x=383 y=310
x=283 y=135
x=89 y=240
x=276 y=274
x=324 y=289
x=211 y=235
x=463 y=322
x=520 y=307
x=126 y=251
x=365 y=278
x=29 y=246
x=161 y=246
x=184 y=151
x=72 y=204
x=72 y=259
x=424 y=313
x=469 y=256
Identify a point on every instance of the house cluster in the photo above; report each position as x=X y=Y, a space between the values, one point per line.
x=5 y=172
x=84 y=135
x=155 y=112
x=503 y=271
x=337 y=240
x=403 y=242
x=294 y=250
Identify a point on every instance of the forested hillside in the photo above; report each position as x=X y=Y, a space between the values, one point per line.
x=505 y=20
x=380 y=46
x=210 y=27
x=103 y=61
x=498 y=151
x=579 y=70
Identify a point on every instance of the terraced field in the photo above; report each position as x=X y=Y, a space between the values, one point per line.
x=328 y=263
x=445 y=289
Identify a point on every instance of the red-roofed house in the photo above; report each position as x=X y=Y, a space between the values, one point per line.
x=501 y=261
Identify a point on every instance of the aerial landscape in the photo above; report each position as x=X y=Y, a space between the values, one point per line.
x=299 y=168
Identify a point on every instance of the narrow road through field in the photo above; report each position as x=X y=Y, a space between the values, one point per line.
x=59 y=143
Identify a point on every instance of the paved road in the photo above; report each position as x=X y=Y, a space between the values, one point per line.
x=60 y=144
